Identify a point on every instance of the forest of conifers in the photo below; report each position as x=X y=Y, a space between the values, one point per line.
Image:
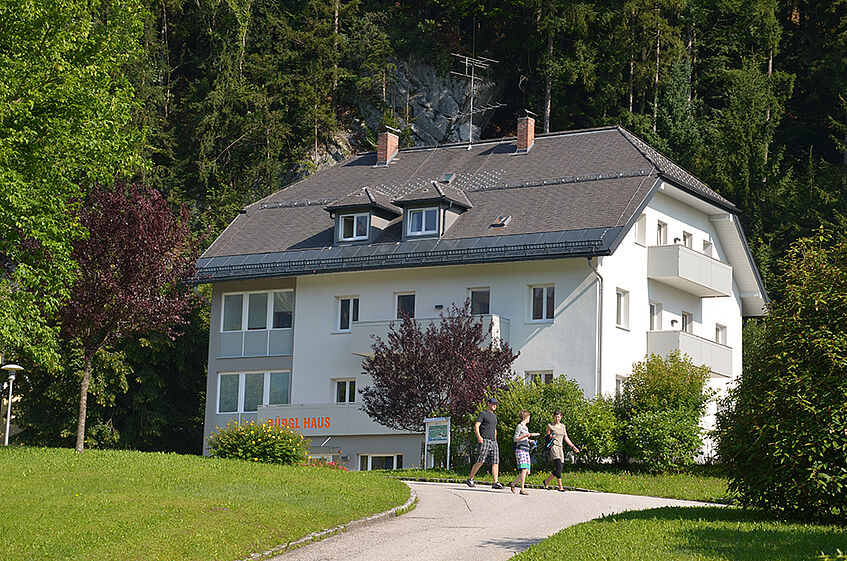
x=235 y=98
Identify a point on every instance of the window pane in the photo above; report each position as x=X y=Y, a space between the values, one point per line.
x=228 y=402
x=362 y=226
x=340 y=391
x=232 y=312
x=382 y=462
x=551 y=302
x=415 y=221
x=257 y=311
x=355 y=309
x=538 y=303
x=347 y=227
x=431 y=220
x=283 y=309
x=254 y=391
x=344 y=322
x=405 y=305
x=479 y=301
x=363 y=463
x=399 y=463
x=280 y=382
x=351 y=391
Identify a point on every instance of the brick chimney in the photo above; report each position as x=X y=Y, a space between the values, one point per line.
x=526 y=133
x=386 y=148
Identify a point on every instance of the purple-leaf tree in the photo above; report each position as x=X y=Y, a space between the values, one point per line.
x=443 y=367
x=131 y=269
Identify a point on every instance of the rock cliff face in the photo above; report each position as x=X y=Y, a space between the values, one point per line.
x=435 y=105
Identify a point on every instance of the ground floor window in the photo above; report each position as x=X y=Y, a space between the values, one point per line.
x=539 y=376
x=368 y=462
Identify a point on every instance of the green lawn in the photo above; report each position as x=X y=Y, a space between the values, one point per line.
x=699 y=485
x=688 y=534
x=122 y=505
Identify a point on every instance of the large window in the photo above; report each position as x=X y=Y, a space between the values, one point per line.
x=480 y=301
x=348 y=312
x=655 y=316
x=243 y=392
x=661 y=233
x=345 y=391
x=353 y=227
x=405 y=305
x=369 y=462
x=543 y=303
x=622 y=308
x=422 y=221
x=277 y=306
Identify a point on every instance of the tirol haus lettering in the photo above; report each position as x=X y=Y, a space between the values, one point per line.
x=304 y=422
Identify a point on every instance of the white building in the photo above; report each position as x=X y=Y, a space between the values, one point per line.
x=587 y=250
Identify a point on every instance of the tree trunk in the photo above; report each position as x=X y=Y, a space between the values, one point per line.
x=656 y=77
x=83 y=403
x=631 y=60
x=548 y=85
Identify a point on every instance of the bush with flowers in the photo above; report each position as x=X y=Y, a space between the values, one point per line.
x=323 y=463
x=258 y=443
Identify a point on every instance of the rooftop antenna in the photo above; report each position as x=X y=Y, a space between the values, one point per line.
x=472 y=63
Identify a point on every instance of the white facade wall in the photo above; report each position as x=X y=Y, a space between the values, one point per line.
x=565 y=345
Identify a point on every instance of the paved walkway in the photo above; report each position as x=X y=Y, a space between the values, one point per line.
x=453 y=521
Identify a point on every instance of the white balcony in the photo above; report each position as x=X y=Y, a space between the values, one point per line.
x=361 y=332
x=702 y=351
x=688 y=270
x=261 y=342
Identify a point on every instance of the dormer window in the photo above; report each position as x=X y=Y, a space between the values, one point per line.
x=422 y=221
x=353 y=227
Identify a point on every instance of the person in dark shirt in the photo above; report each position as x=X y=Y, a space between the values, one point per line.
x=485 y=428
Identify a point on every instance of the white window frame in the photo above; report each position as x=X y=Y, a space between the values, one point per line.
x=708 y=248
x=480 y=289
x=423 y=231
x=622 y=308
x=370 y=458
x=353 y=312
x=397 y=296
x=688 y=239
x=661 y=233
x=544 y=303
x=641 y=230
x=655 y=316
x=242 y=376
x=720 y=334
x=346 y=382
x=354 y=217
x=543 y=376
x=686 y=323
x=245 y=309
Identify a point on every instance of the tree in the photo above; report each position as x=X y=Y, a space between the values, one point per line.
x=783 y=432
x=130 y=278
x=445 y=368
x=65 y=110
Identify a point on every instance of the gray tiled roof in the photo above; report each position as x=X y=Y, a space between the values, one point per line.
x=572 y=194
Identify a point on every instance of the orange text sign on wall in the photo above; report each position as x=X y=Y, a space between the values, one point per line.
x=301 y=423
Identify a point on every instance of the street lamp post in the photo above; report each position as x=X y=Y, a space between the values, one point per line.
x=12 y=369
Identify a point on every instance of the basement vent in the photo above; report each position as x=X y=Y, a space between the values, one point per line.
x=501 y=222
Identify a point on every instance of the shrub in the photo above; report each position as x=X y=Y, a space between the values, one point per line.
x=663 y=440
x=671 y=392
x=596 y=430
x=258 y=443
x=782 y=434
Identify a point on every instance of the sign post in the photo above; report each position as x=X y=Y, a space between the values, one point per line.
x=436 y=431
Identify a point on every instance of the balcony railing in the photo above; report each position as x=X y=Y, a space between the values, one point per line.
x=689 y=270
x=361 y=332
x=702 y=351
x=261 y=342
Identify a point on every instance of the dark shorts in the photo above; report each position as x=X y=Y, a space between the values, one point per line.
x=557 y=468
x=489 y=452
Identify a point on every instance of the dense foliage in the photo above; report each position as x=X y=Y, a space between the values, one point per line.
x=259 y=443
x=445 y=367
x=783 y=433
x=660 y=406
